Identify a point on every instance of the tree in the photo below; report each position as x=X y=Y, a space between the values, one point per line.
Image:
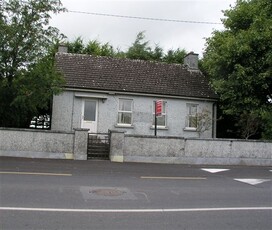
x=203 y=121
x=93 y=47
x=140 y=48
x=27 y=74
x=77 y=46
x=175 y=56
x=238 y=61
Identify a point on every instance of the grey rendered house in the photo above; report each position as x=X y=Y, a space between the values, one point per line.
x=104 y=93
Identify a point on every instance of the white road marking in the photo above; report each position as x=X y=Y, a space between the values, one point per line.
x=173 y=178
x=37 y=173
x=214 y=170
x=252 y=181
x=135 y=210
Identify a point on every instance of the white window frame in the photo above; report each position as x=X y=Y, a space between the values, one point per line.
x=120 y=111
x=164 y=113
x=191 y=114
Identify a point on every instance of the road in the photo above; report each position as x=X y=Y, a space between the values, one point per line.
x=65 y=194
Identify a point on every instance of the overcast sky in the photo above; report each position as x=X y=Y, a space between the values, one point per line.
x=121 y=31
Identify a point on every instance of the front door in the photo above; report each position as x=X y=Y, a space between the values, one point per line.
x=89 y=115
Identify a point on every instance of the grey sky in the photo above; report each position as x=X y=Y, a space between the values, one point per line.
x=121 y=32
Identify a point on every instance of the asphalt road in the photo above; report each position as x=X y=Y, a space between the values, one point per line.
x=65 y=194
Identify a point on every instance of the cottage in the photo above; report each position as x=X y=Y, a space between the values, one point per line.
x=104 y=93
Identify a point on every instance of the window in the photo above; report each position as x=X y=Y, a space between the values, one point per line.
x=125 y=112
x=191 y=120
x=161 y=120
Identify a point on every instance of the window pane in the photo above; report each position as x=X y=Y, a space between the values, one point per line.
x=163 y=107
x=89 y=110
x=125 y=105
x=193 y=109
x=160 y=120
x=124 y=118
x=192 y=121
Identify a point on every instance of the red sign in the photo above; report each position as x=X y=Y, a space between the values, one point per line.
x=159 y=105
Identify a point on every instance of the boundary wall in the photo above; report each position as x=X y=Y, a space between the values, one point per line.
x=135 y=148
x=43 y=143
x=177 y=150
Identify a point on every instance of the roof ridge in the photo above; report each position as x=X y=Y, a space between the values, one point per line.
x=121 y=58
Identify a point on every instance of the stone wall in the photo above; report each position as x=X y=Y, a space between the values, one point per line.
x=176 y=150
x=135 y=148
x=43 y=143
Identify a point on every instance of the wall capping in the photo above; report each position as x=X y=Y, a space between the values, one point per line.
x=35 y=130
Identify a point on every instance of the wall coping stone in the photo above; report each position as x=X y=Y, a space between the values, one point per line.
x=116 y=131
x=154 y=137
x=194 y=138
x=226 y=139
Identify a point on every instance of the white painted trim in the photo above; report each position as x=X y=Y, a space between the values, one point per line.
x=124 y=126
x=190 y=129
x=90 y=96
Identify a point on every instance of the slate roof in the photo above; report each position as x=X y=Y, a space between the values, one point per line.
x=134 y=76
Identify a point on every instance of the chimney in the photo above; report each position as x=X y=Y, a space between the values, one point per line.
x=191 y=60
x=63 y=48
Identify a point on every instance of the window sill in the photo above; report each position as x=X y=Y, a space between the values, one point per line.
x=159 y=127
x=124 y=126
x=190 y=129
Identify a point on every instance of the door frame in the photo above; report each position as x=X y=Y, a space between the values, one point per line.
x=96 y=114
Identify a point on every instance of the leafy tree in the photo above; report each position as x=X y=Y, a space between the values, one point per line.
x=27 y=74
x=175 y=56
x=157 y=53
x=77 y=46
x=140 y=48
x=96 y=48
x=238 y=61
x=93 y=47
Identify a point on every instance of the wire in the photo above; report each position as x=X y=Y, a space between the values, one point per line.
x=143 y=18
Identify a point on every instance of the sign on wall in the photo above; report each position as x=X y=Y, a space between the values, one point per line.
x=159 y=109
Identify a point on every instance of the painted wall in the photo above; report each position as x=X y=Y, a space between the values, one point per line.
x=67 y=114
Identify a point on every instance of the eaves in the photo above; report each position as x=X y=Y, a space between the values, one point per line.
x=141 y=94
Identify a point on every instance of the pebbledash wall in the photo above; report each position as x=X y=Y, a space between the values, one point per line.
x=43 y=143
x=135 y=148
x=177 y=150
